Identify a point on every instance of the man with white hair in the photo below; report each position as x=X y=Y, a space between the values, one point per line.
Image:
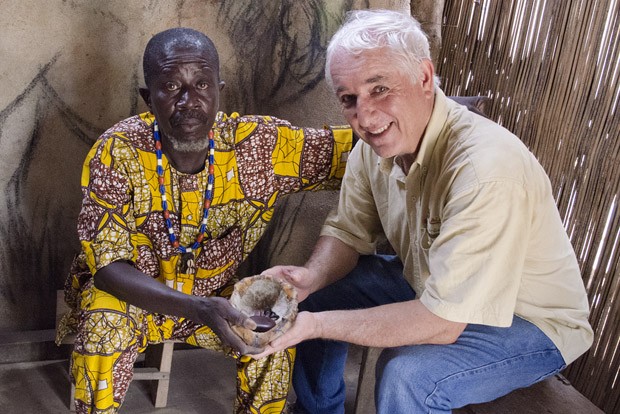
x=484 y=294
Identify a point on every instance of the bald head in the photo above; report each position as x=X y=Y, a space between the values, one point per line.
x=179 y=37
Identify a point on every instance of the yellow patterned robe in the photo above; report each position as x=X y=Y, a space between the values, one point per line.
x=257 y=160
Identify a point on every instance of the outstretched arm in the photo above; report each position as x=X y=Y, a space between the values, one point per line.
x=128 y=284
x=396 y=324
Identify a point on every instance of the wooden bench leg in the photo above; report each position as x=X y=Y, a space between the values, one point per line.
x=72 y=398
x=160 y=357
x=365 y=398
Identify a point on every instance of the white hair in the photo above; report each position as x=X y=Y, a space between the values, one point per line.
x=396 y=31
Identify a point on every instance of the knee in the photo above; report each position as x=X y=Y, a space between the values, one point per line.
x=105 y=332
x=406 y=381
x=392 y=368
x=401 y=374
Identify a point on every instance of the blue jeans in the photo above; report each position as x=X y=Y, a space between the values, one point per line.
x=485 y=363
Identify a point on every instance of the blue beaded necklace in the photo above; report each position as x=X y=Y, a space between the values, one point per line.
x=187 y=251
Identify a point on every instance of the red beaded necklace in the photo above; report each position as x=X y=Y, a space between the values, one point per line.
x=187 y=251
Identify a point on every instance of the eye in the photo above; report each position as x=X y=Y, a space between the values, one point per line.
x=378 y=90
x=171 y=86
x=347 y=101
x=202 y=85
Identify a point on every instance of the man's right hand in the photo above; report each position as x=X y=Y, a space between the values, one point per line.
x=330 y=261
x=301 y=278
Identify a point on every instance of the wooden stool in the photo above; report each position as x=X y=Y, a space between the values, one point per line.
x=157 y=362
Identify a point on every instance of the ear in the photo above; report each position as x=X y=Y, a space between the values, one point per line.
x=146 y=96
x=427 y=76
x=222 y=84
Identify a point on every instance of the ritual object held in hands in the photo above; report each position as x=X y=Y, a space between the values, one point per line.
x=271 y=303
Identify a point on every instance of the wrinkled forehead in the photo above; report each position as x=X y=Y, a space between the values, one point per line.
x=169 y=54
x=186 y=52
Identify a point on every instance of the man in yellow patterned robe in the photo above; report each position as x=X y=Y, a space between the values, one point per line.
x=173 y=201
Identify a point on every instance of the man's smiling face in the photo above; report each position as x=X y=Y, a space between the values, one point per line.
x=386 y=107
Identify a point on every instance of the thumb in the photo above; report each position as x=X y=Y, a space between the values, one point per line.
x=249 y=323
x=236 y=317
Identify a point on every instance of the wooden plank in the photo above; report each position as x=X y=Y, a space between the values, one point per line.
x=37 y=335
x=555 y=395
x=365 y=399
x=27 y=337
x=151 y=373
x=160 y=357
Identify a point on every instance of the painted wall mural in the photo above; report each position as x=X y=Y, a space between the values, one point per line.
x=70 y=69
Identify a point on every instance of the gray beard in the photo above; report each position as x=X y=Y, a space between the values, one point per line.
x=184 y=146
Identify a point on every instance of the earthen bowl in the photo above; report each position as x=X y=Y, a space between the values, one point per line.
x=262 y=294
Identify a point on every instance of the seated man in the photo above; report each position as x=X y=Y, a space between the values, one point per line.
x=173 y=201
x=484 y=294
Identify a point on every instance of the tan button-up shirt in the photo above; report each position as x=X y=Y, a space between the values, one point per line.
x=475 y=225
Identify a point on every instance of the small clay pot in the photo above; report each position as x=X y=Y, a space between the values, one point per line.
x=264 y=298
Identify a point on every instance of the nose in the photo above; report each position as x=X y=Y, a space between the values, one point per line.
x=188 y=99
x=364 y=112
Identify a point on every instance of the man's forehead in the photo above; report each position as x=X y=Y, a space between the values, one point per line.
x=174 y=63
x=365 y=67
x=170 y=58
x=173 y=68
x=185 y=48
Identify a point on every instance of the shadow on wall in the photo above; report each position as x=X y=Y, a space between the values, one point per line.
x=288 y=40
x=81 y=75
x=42 y=175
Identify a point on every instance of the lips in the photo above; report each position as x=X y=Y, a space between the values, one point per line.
x=188 y=118
x=375 y=133
x=380 y=130
x=188 y=122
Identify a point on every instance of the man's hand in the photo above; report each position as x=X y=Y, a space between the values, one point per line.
x=331 y=260
x=218 y=314
x=300 y=278
x=306 y=327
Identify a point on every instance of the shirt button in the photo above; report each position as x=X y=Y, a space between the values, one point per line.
x=189 y=217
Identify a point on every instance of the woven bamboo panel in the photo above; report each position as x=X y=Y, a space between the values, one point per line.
x=552 y=68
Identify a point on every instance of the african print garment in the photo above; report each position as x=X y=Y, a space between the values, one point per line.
x=257 y=160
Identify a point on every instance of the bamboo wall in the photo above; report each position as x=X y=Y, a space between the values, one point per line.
x=552 y=68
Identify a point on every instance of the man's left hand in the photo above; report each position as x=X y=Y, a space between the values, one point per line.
x=305 y=327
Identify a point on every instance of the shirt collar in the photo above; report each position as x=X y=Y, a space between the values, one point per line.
x=433 y=129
